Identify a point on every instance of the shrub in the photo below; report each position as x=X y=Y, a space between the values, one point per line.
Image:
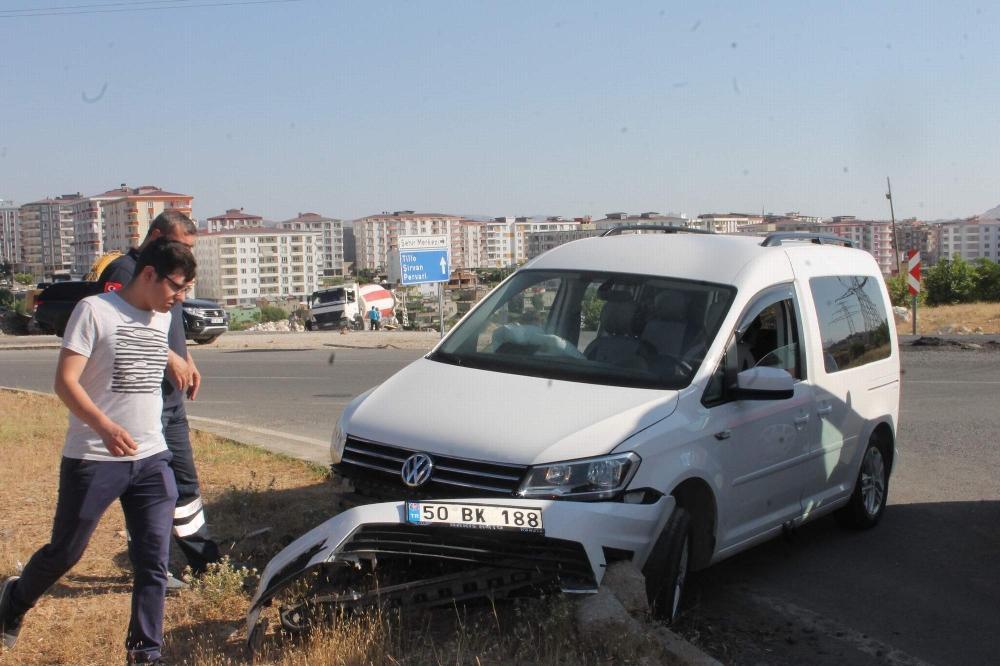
x=272 y=313
x=899 y=293
x=987 y=280
x=950 y=281
x=6 y=298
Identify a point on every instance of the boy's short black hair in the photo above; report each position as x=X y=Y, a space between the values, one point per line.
x=166 y=257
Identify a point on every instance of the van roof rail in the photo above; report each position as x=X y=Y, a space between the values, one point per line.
x=819 y=239
x=615 y=231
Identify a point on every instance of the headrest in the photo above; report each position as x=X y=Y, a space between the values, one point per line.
x=618 y=317
x=670 y=306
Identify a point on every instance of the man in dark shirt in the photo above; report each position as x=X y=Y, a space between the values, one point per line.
x=190 y=530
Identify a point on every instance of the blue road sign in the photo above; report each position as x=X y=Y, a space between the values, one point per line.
x=421 y=266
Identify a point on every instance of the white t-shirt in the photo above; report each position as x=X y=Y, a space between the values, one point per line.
x=126 y=350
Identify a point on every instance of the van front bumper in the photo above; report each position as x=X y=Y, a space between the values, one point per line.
x=575 y=537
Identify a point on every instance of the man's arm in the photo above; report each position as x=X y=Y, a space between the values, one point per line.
x=68 y=388
x=195 y=375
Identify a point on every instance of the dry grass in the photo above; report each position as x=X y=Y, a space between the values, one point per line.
x=976 y=317
x=83 y=618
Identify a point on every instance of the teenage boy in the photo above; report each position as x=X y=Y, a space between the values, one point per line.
x=108 y=375
x=190 y=529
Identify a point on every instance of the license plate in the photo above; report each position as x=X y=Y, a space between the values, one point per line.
x=481 y=516
x=216 y=320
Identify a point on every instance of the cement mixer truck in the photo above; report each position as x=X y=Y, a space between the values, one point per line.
x=346 y=305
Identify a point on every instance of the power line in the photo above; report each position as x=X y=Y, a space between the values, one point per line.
x=127 y=3
x=57 y=11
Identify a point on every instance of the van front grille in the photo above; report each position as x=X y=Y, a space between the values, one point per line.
x=377 y=466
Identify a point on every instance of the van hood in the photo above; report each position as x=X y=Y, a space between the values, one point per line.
x=485 y=415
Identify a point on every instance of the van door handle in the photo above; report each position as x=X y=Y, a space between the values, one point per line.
x=802 y=420
x=723 y=434
x=824 y=410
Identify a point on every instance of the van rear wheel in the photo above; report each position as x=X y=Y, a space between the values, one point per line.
x=867 y=503
x=667 y=568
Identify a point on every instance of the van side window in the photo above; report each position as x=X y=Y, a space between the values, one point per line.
x=853 y=322
x=771 y=339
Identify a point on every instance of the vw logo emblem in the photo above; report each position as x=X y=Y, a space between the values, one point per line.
x=417 y=470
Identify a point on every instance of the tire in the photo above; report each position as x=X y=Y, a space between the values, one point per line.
x=667 y=568
x=871 y=489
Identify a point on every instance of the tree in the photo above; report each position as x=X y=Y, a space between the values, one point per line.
x=6 y=270
x=6 y=299
x=23 y=278
x=987 y=275
x=950 y=281
x=899 y=293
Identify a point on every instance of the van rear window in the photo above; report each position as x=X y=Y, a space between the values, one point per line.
x=853 y=321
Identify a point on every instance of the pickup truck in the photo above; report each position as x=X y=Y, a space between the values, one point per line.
x=204 y=321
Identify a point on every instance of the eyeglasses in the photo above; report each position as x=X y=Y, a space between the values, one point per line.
x=179 y=288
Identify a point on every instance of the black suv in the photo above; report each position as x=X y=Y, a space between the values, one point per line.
x=204 y=321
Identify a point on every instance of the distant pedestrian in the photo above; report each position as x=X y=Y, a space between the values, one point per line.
x=181 y=378
x=374 y=317
x=109 y=371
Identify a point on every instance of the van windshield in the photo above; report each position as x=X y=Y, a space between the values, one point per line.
x=606 y=328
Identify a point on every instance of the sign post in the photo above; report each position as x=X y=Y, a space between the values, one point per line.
x=423 y=260
x=913 y=281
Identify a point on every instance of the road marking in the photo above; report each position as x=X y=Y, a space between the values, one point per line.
x=260 y=431
x=858 y=640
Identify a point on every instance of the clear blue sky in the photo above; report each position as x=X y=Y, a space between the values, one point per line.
x=509 y=108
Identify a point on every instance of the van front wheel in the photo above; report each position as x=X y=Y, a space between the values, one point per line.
x=667 y=567
x=867 y=503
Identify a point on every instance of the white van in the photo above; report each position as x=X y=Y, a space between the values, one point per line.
x=671 y=399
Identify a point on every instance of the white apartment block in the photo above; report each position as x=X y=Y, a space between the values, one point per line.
x=727 y=223
x=332 y=233
x=243 y=266
x=971 y=239
x=88 y=229
x=47 y=236
x=375 y=235
x=10 y=242
x=127 y=217
x=234 y=218
x=504 y=241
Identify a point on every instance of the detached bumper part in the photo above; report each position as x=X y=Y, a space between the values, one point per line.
x=429 y=565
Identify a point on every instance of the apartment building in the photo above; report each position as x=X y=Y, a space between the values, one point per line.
x=618 y=219
x=10 y=242
x=541 y=242
x=375 y=235
x=88 y=229
x=245 y=265
x=47 y=236
x=505 y=241
x=127 y=217
x=727 y=223
x=234 y=218
x=332 y=234
x=970 y=239
x=874 y=236
x=921 y=236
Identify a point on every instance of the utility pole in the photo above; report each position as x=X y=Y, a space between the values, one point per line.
x=892 y=212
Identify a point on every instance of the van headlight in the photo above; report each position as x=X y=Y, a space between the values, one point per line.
x=337 y=443
x=587 y=479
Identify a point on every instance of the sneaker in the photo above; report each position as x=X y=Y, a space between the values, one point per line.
x=175 y=584
x=10 y=624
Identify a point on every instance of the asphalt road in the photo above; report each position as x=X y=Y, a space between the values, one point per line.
x=922 y=587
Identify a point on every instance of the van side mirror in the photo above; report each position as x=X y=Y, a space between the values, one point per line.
x=763 y=383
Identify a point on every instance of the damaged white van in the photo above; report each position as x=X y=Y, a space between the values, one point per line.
x=665 y=398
